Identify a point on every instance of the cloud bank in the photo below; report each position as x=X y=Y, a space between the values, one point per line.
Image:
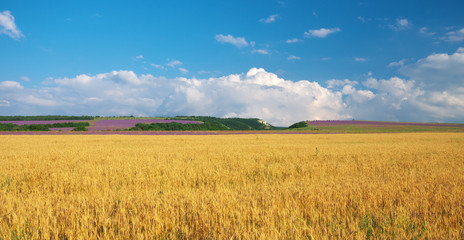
x=433 y=90
x=255 y=94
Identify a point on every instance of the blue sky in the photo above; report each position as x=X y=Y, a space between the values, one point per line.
x=357 y=57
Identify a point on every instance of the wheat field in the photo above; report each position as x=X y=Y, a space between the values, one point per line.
x=346 y=186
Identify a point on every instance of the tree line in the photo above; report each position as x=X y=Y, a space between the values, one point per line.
x=44 y=118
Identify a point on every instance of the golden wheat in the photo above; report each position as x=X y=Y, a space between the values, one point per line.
x=351 y=186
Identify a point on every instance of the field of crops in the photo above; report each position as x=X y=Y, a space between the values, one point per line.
x=268 y=186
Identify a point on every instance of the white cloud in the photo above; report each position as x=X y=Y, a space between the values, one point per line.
x=361 y=19
x=435 y=91
x=183 y=70
x=158 y=66
x=174 y=63
x=8 y=26
x=261 y=51
x=236 y=41
x=438 y=71
x=396 y=87
x=337 y=83
x=293 y=57
x=448 y=98
x=400 y=63
x=359 y=59
x=139 y=57
x=10 y=84
x=321 y=33
x=425 y=31
x=385 y=99
x=38 y=101
x=255 y=94
x=358 y=96
x=293 y=40
x=326 y=58
x=371 y=83
x=454 y=36
x=401 y=24
x=269 y=19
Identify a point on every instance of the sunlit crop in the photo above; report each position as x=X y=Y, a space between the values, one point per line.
x=349 y=186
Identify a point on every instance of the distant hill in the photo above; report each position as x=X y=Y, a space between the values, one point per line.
x=230 y=123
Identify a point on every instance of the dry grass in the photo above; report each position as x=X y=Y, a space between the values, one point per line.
x=241 y=187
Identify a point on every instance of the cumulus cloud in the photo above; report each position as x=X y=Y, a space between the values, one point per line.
x=438 y=71
x=257 y=93
x=337 y=83
x=269 y=19
x=321 y=33
x=236 y=41
x=359 y=96
x=433 y=90
x=380 y=99
x=394 y=91
x=8 y=25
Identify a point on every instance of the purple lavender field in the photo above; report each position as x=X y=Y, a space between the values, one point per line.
x=62 y=129
x=108 y=125
x=354 y=126
x=328 y=123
